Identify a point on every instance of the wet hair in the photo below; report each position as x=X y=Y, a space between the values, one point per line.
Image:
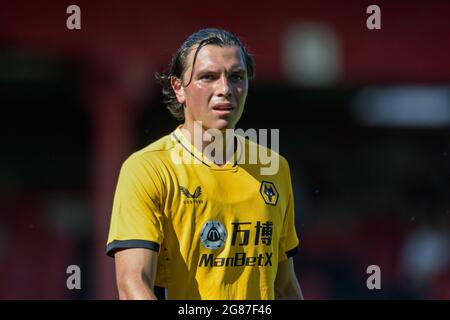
x=178 y=65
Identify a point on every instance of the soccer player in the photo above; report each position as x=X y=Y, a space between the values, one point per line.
x=204 y=225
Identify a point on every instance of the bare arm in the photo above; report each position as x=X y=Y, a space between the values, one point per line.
x=286 y=283
x=135 y=273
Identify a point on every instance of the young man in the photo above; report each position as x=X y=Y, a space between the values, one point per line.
x=201 y=224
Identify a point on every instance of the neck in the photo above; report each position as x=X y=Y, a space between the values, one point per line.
x=217 y=145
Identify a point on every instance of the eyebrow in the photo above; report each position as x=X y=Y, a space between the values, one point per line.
x=212 y=69
x=238 y=69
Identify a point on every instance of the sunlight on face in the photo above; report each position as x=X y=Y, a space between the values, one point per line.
x=218 y=88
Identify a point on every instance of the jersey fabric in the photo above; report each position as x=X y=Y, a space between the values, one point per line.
x=219 y=231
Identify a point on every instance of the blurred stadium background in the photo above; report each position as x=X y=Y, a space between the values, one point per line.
x=364 y=118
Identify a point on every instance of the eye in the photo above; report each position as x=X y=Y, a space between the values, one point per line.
x=207 y=77
x=236 y=77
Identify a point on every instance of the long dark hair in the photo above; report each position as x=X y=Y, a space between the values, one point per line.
x=178 y=65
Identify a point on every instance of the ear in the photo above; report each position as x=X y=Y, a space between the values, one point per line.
x=178 y=88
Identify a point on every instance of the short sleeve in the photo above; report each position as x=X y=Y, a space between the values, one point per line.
x=136 y=219
x=288 y=241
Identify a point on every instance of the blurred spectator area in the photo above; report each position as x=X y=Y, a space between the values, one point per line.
x=364 y=119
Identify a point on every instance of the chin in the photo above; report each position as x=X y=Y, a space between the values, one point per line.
x=221 y=124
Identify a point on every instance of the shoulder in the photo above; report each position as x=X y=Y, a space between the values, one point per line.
x=152 y=153
x=151 y=160
x=158 y=147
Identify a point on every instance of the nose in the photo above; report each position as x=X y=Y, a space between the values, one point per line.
x=224 y=88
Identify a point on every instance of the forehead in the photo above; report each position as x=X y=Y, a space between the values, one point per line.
x=213 y=56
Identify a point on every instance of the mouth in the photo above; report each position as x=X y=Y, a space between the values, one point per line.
x=223 y=108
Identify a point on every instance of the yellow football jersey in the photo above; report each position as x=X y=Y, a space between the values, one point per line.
x=219 y=231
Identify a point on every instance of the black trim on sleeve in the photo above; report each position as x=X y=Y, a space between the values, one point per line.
x=160 y=292
x=127 y=244
x=292 y=252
